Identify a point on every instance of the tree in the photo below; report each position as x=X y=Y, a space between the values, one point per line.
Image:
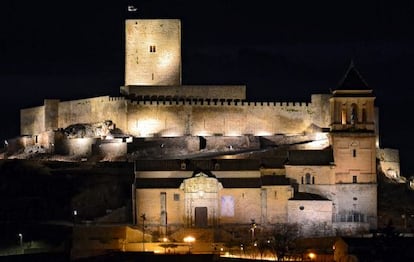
x=282 y=239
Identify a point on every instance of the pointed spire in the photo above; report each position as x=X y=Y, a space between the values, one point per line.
x=352 y=80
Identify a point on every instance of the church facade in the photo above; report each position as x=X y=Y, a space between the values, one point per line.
x=207 y=157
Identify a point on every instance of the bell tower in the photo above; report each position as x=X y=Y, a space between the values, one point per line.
x=353 y=139
x=152 y=52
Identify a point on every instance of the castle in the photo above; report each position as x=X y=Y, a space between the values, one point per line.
x=206 y=157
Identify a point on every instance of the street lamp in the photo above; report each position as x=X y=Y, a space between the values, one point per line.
x=253 y=228
x=312 y=256
x=20 y=239
x=189 y=240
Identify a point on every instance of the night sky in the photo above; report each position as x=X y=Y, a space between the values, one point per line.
x=281 y=50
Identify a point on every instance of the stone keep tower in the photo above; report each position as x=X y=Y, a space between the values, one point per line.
x=153 y=52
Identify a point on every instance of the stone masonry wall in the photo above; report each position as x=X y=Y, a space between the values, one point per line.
x=348 y=199
x=32 y=120
x=153 y=52
x=315 y=217
x=179 y=118
x=93 y=110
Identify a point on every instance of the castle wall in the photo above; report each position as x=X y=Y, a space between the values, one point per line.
x=177 y=118
x=110 y=150
x=93 y=110
x=186 y=92
x=51 y=114
x=81 y=147
x=229 y=143
x=32 y=120
x=389 y=162
x=163 y=146
x=321 y=109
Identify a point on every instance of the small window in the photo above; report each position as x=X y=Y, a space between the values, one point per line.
x=183 y=166
x=354 y=179
x=152 y=49
x=301 y=180
x=275 y=194
x=176 y=197
x=308 y=178
x=354 y=152
x=301 y=207
x=313 y=180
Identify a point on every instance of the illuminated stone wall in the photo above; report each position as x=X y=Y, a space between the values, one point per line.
x=322 y=175
x=314 y=217
x=349 y=199
x=148 y=202
x=355 y=156
x=246 y=205
x=93 y=110
x=147 y=118
x=177 y=118
x=32 y=120
x=275 y=209
x=153 y=52
x=389 y=162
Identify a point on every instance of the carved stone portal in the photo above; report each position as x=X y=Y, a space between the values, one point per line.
x=201 y=200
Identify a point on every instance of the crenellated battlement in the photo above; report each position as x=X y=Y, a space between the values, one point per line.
x=116 y=98
x=222 y=102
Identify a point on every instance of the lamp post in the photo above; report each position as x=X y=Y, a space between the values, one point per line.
x=189 y=240
x=20 y=239
x=143 y=231
x=253 y=228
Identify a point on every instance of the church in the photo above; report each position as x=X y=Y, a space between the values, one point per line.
x=205 y=157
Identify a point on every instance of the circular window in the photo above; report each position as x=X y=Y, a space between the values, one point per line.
x=301 y=207
x=355 y=198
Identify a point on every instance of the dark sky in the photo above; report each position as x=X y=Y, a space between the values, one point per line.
x=281 y=50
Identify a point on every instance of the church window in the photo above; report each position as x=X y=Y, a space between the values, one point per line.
x=302 y=180
x=308 y=178
x=354 y=152
x=176 y=197
x=152 y=49
x=354 y=179
x=313 y=180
